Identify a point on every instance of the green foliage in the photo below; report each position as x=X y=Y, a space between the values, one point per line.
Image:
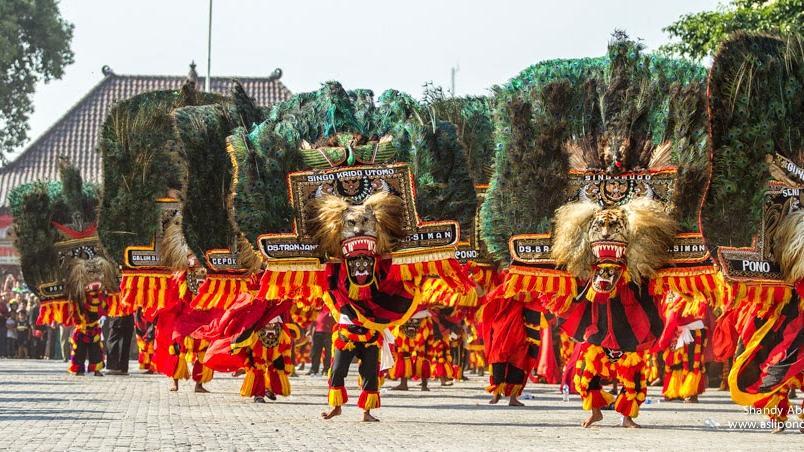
x=626 y=94
x=142 y=161
x=34 y=46
x=757 y=108
x=699 y=35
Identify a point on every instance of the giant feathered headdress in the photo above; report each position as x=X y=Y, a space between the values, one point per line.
x=60 y=254
x=757 y=123
x=606 y=131
x=143 y=162
x=145 y=176
x=753 y=209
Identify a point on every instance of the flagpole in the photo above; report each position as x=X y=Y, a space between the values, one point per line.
x=209 y=49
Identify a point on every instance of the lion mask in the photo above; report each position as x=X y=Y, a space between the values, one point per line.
x=637 y=235
x=334 y=221
x=87 y=270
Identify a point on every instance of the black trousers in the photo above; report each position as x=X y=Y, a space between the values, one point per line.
x=506 y=373
x=322 y=342
x=92 y=352
x=369 y=365
x=121 y=330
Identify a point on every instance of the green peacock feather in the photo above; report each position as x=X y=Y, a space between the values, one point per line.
x=327 y=117
x=628 y=100
x=35 y=206
x=142 y=161
x=757 y=108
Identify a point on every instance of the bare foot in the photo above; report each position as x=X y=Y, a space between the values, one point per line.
x=335 y=412
x=515 y=402
x=494 y=399
x=445 y=382
x=595 y=417
x=367 y=417
x=175 y=386
x=693 y=399
x=629 y=423
x=199 y=388
x=779 y=429
x=259 y=399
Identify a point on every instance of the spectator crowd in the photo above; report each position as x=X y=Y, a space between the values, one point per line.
x=20 y=337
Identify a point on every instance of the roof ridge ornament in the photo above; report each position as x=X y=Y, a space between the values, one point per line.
x=275 y=75
x=107 y=70
x=192 y=76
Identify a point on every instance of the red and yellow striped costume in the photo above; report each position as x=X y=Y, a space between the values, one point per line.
x=267 y=368
x=596 y=365
x=86 y=340
x=412 y=359
x=440 y=354
x=684 y=368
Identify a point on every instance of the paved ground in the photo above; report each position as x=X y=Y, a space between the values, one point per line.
x=43 y=408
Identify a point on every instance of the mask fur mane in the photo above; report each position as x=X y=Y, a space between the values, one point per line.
x=327 y=214
x=789 y=246
x=81 y=272
x=173 y=249
x=649 y=233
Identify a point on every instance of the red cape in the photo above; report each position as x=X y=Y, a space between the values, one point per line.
x=504 y=334
x=247 y=313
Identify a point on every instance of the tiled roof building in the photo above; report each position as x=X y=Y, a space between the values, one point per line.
x=75 y=134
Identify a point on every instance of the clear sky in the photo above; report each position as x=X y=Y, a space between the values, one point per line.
x=376 y=44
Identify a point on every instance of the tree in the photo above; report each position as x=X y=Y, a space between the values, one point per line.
x=700 y=34
x=34 y=46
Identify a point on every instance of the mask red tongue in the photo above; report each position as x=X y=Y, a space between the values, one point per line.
x=359 y=246
x=609 y=251
x=93 y=287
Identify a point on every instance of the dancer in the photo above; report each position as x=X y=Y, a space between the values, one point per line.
x=361 y=235
x=587 y=195
x=322 y=343
x=682 y=347
x=512 y=340
x=412 y=357
x=62 y=258
x=756 y=210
